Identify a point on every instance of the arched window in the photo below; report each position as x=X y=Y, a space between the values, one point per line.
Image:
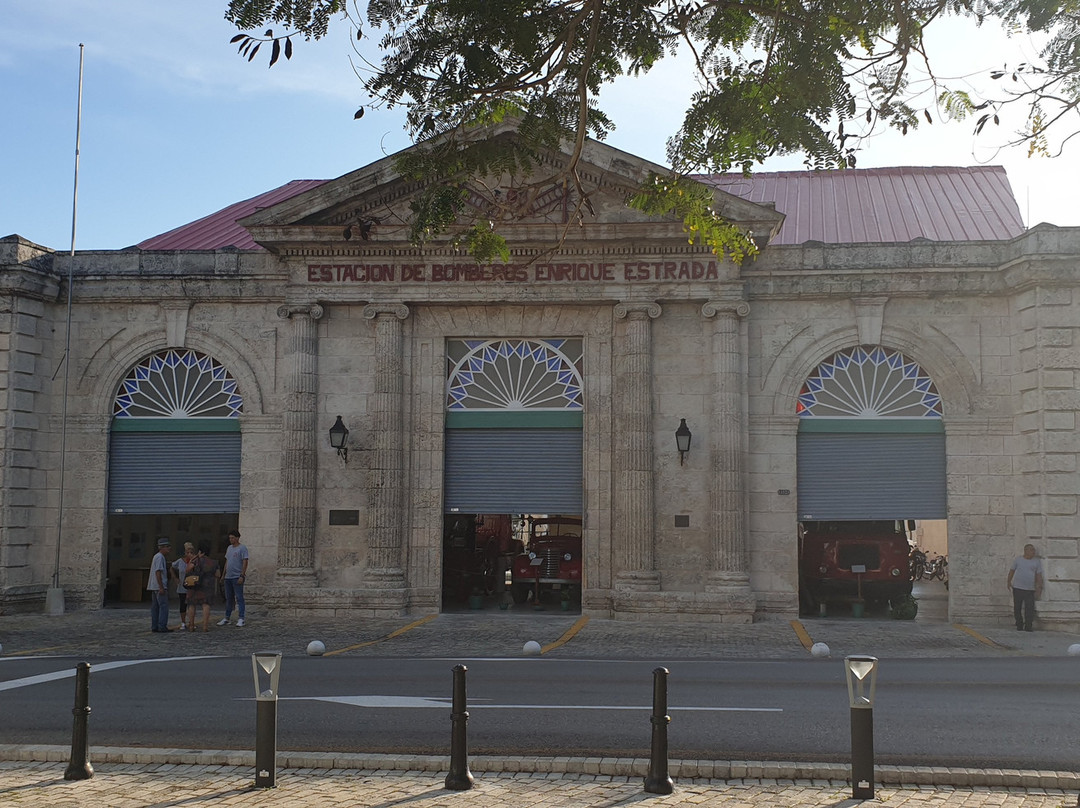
x=178 y=383
x=868 y=381
x=514 y=374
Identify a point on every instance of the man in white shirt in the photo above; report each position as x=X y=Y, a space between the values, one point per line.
x=1026 y=582
x=158 y=587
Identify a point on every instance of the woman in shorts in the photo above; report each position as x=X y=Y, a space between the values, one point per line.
x=182 y=568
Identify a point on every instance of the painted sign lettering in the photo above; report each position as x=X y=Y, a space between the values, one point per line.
x=554 y=273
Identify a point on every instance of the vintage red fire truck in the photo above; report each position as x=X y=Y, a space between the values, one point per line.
x=866 y=560
x=551 y=561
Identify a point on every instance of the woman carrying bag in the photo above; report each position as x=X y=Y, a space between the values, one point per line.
x=202 y=592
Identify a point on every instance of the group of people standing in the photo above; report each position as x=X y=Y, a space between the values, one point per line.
x=197 y=576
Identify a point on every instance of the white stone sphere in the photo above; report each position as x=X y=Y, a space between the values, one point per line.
x=531 y=648
x=819 y=650
x=1074 y=649
x=316 y=648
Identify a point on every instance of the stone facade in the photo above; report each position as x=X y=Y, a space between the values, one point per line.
x=316 y=326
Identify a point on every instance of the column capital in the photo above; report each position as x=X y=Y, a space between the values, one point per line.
x=312 y=310
x=373 y=310
x=711 y=308
x=637 y=310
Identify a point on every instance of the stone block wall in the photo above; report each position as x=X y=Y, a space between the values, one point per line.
x=25 y=336
x=1048 y=352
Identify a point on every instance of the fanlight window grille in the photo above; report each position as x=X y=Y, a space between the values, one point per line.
x=869 y=381
x=178 y=384
x=514 y=374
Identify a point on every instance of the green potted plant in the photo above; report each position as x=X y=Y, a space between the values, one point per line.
x=904 y=607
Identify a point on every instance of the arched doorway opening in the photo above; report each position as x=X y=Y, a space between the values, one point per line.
x=174 y=464
x=512 y=534
x=871 y=472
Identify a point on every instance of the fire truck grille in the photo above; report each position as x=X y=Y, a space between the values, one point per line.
x=550 y=566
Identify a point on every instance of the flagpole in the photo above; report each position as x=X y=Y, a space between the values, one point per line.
x=54 y=598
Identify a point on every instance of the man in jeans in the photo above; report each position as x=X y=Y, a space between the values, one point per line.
x=236 y=564
x=1026 y=582
x=158 y=587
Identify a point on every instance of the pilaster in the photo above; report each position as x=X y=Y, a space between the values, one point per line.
x=296 y=546
x=634 y=448
x=386 y=527
x=729 y=566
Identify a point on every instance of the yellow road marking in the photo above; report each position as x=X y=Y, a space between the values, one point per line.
x=979 y=637
x=395 y=633
x=569 y=635
x=802 y=634
x=37 y=650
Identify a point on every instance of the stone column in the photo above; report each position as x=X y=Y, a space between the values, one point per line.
x=634 y=449
x=729 y=566
x=296 y=543
x=386 y=523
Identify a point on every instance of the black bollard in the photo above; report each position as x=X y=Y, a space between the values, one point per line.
x=657 y=781
x=79 y=768
x=266 y=743
x=265 y=672
x=862 y=682
x=459 y=778
x=862 y=753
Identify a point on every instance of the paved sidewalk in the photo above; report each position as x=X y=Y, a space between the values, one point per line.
x=40 y=785
x=32 y=777
x=111 y=633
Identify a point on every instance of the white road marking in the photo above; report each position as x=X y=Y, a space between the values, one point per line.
x=443 y=703
x=96 y=667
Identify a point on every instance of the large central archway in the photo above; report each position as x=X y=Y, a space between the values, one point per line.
x=513 y=469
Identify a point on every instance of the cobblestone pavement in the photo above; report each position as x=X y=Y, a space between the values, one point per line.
x=125 y=632
x=40 y=785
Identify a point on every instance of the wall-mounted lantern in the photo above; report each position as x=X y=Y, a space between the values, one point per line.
x=682 y=439
x=339 y=439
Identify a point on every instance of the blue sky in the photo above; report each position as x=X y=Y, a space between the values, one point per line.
x=175 y=125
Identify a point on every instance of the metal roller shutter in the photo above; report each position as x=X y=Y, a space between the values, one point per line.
x=174 y=472
x=869 y=475
x=513 y=471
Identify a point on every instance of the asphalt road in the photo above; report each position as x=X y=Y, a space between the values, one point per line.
x=1004 y=713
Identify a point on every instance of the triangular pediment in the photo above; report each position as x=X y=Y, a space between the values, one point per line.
x=372 y=204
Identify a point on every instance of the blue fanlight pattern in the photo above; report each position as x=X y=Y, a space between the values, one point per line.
x=514 y=374
x=178 y=383
x=869 y=381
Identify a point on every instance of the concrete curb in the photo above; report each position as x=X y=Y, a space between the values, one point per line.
x=896 y=776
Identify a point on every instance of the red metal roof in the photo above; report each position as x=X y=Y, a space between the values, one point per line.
x=834 y=207
x=220 y=229
x=884 y=204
